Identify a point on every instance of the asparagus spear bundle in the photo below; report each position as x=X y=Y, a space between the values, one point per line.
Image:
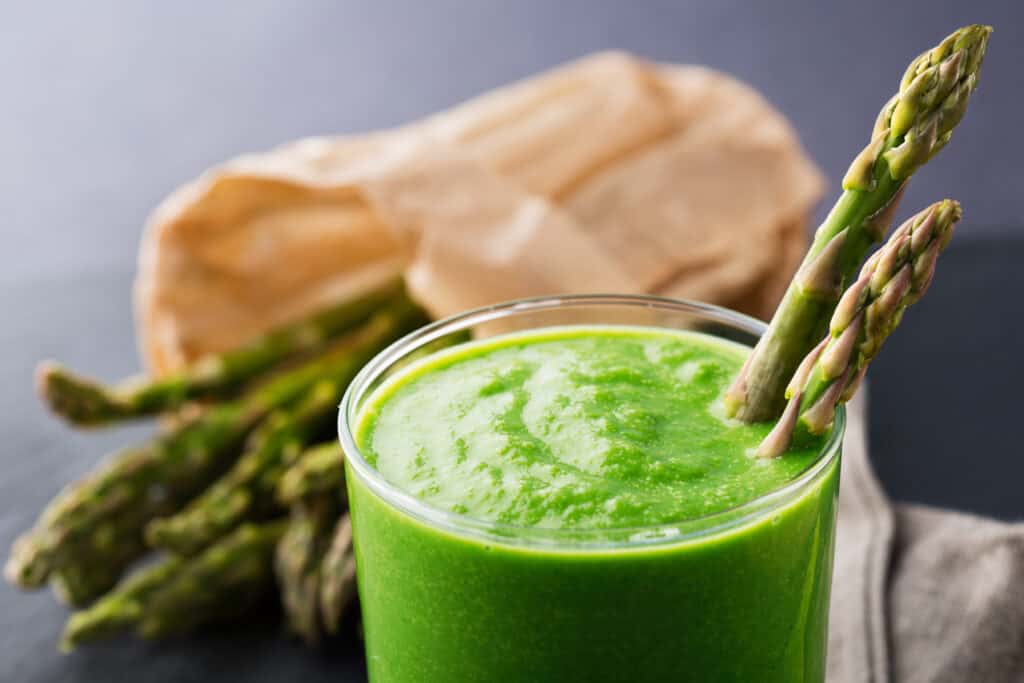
x=160 y=477
x=247 y=491
x=95 y=567
x=911 y=128
x=86 y=402
x=176 y=595
x=895 y=276
x=128 y=490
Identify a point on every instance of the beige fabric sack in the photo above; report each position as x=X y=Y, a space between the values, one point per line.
x=610 y=174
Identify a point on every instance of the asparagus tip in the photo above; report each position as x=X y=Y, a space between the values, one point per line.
x=80 y=401
x=27 y=566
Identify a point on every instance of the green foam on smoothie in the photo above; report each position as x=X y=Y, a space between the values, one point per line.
x=578 y=427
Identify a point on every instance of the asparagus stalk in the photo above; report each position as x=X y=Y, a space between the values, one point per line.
x=86 y=402
x=175 y=594
x=320 y=469
x=911 y=128
x=225 y=581
x=338 y=577
x=895 y=277
x=160 y=477
x=298 y=562
x=121 y=609
x=95 y=566
x=247 y=491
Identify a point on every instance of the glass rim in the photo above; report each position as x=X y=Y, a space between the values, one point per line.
x=544 y=538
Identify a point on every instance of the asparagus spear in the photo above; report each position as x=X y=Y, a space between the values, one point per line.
x=895 y=277
x=911 y=128
x=86 y=402
x=226 y=580
x=121 y=609
x=79 y=584
x=96 y=564
x=338 y=577
x=158 y=478
x=320 y=469
x=175 y=594
x=298 y=561
x=248 y=489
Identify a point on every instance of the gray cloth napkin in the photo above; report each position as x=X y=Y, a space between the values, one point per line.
x=920 y=595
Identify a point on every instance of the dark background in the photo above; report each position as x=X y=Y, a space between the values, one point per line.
x=106 y=107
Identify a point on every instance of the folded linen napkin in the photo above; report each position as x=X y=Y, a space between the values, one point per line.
x=920 y=595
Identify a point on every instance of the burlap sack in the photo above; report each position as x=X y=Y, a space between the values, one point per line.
x=610 y=174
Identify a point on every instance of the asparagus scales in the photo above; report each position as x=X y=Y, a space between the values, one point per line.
x=911 y=128
x=895 y=276
x=86 y=402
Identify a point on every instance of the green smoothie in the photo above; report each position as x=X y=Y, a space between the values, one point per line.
x=593 y=521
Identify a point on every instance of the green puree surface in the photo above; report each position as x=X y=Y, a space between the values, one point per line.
x=574 y=427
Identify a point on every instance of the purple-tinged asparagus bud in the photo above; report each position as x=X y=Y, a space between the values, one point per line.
x=836 y=357
x=804 y=370
x=861 y=174
x=777 y=440
x=822 y=276
x=818 y=417
x=849 y=305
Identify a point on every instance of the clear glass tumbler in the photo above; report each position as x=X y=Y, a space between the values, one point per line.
x=740 y=595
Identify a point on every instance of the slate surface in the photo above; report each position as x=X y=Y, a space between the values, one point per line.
x=108 y=105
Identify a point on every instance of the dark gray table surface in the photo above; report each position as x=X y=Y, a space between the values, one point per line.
x=107 y=106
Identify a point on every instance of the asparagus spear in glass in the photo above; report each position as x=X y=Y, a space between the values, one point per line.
x=895 y=276
x=911 y=128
